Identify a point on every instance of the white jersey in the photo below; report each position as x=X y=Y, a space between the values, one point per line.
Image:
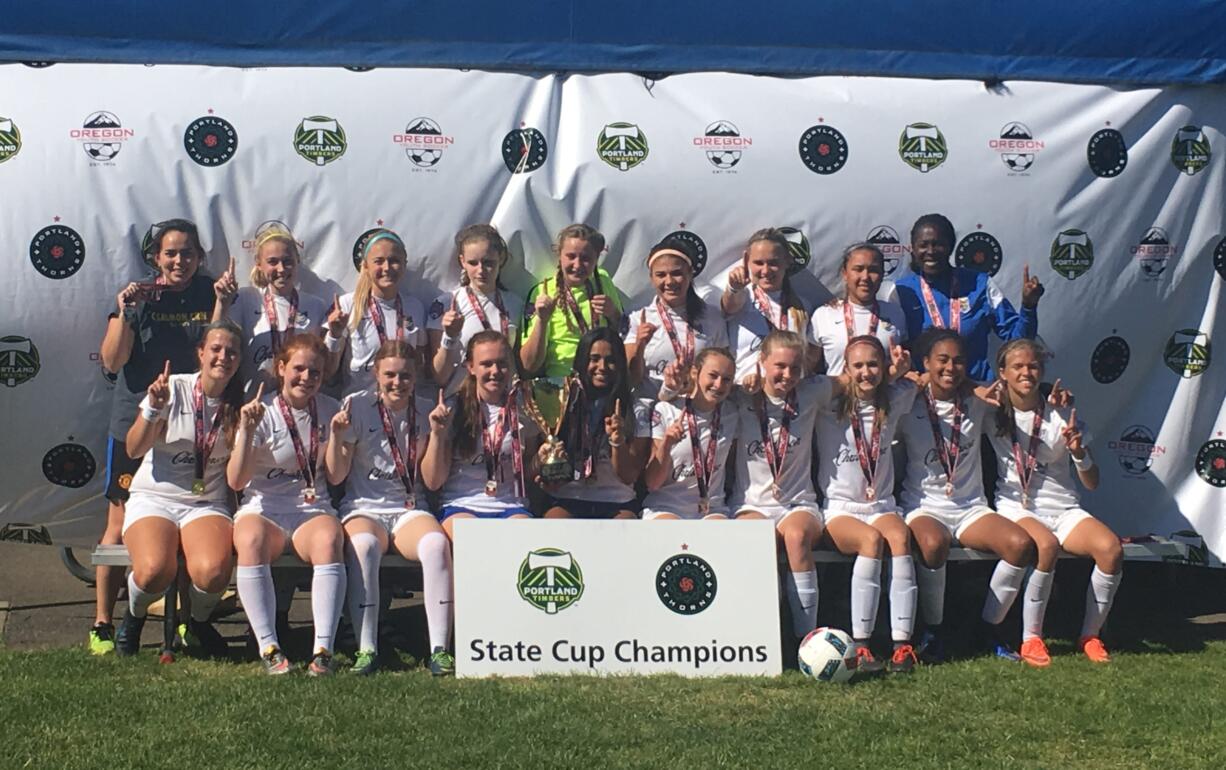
x=1052 y=487
x=748 y=328
x=169 y=469
x=828 y=329
x=373 y=485
x=277 y=484
x=753 y=474
x=839 y=472
x=248 y=312
x=364 y=340
x=923 y=485
x=465 y=487
x=710 y=332
x=604 y=485
x=679 y=495
x=513 y=303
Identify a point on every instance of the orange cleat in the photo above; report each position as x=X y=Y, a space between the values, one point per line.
x=1094 y=649
x=1034 y=652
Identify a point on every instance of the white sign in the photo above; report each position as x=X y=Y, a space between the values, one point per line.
x=616 y=597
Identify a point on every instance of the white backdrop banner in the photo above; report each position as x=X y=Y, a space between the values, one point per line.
x=1115 y=199
x=616 y=597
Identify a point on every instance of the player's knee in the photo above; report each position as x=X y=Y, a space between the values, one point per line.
x=249 y=542
x=1047 y=550
x=871 y=544
x=1109 y=556
x=795 y=539
x=899 y=542
x=210 y=572
x=1019 y=550
x=153 y=573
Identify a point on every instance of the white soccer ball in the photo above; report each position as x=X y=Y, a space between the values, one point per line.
x=827 y=655
x=425 y=157
x=724 y=158
x=102 y=151
x=1018 y=161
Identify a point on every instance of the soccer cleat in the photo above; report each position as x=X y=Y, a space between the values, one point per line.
x=930 y=648
x=441 y=663
x=322 y=664
x=1002 y=650
x=102 y=639
x=274 y=661
x=127 y=639
x=201 y=638
x=865 y=662
x=903 y=661
x=366 y=663
x=1094 y=649
x=1034 y=652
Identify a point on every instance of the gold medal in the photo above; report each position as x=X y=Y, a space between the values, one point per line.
x=308 y=496
x=870 y=493
x=491 y=487
x=704 y=505
x=776 y=491
x=949 y=490
x=410 y=503
x=198 y=487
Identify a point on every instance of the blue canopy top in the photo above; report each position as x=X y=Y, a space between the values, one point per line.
x=1096 y=41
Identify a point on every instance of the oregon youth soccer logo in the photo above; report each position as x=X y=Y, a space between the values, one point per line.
x=69 y=465
x=723 y=144
x=424 y=142
x=922 y=147
x=823 y=149
x=1110 y=359
x=524 y=150
x=1153 y=252
x=550 y=580
x=798 y=248
x=210 y=141
x=1017 y=147
x=622 y=145
x=101 y=136
x=10 y=139
x=359 y=246
x=320 y=139
x=1211 y=462
x=1219 y=258
x=1072 y=253
x=18 y=360
x=686 y=584
x=1107 y=153
x=1187 y=353
x=885 y=238
x=57 y=251
x=1136 y=449
x=1190 y=150
x=979 y=251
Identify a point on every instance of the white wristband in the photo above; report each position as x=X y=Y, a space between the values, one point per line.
x=1085 y=463
x=152 y=415
x=450 y=343
x=333 y=344
x=666 y=393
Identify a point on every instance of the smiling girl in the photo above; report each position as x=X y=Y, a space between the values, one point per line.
x=859 y=312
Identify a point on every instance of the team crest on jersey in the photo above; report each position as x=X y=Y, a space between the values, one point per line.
x=1153 y=252
x=10 y=139
x=125 y=480
x=320 y=139
x=436 y=309
x=1110 y=359
x=723 y=145
x=823 y=149
x=524 y=150
x=550 y=580
x=1072 y=253
x=32 y=534
x=922 y=146
x=1107 y=153
x=19 y=362
x=696 y=243
x=69 y=465
x=1211 y=462
x=424 y=142
x=798 y=248
x=101 y=136
x=885 y=238
x=1017 y=147
x=1187 y=353
x=1136 y=449
x=686 y=584
x=210 y=140
x=979 y=251
x=1190 y=150
x=57 y=251
x=622 y=145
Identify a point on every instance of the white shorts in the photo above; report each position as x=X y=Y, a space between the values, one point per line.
x=391 y=522
x=957 y=522
x=865 y=512
x=1061 y=522
x=688 y=515
x=777 y=513
x=141 y=506
x=288 y=522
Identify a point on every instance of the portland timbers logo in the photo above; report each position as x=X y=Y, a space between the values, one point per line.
x=699 y=246
x=1211 y=462
x=1110 y=359
x=320 y=139
x=18 y=361
x=1072 y=253
x=524 y=150
x=210 y=140
x=823 y=149
x=69 y=465
x=359 y=246
x=922 y=147
x=1107 y=153
x=979 y=251
x=1190 y=150
x=1219 y=258
x=57 y=251
x=686 y=584
x=550 y=580
x=1187 y=353
x=622 y=145
x=10 y=139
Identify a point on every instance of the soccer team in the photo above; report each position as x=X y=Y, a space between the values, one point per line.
x=224 y=445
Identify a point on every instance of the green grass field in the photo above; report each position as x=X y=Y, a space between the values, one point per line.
x=1149 y=708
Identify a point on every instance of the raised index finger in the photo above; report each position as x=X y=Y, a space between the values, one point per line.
x=231 y=271
x=336 y=302
x=166 y=370
x=259 y=392
x=1072 y=418
x=1026 y=273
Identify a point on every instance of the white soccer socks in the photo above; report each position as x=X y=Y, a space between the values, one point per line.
x=362 y=558
x=259 y=598
x=434 y=553
x=1099 y=596
x=903 y=595
x=1002 y=590
x=801 y=590
x=203 y=603
x=1034 y=603
x=139 y=599
x=327 y=596
x=865 y=594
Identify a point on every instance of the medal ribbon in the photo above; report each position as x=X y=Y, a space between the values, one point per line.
x=776 y=455
x=204 y=444
x=270 y=312
x=151 y=291
x=572 y=308
x=407 y=473
x=868 y=453
x=1025 y=466
x=947 y=455
x=376 y=317
x=849 y=319
x=704 y=467
x=763 y=302
x=684 y=355
x=955 y=304
x=307 y=464
x=475 y=304
x=508 y=420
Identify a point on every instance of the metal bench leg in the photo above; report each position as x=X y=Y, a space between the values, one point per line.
x=170 y=621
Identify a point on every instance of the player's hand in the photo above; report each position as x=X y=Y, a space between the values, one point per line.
x=675 y=432
x=226 y=287
x=677 y=377
x=453 y=320
x=738 y=278
x=992 y=395
x=900 y=361
x=159 y=390
x=614 y=425
x=130 y=297
x=252 y=411
x=342 y=420
x=1060 y=397
x=1031 y=288
x=752 y=383
x=644 y=333
x=337 y=318
x=1072 y=436
x=440 y=416
x=603 y=306
x=545 y=303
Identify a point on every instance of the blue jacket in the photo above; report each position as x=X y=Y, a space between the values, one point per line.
x=984 y=310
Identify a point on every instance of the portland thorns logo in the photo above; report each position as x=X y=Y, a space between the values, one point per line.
x=1107 y=153
x=1072 y=253
x=69 y=465
x=922 y=147
x=10 y=139
x=57 y=251
x=979 y=251
x=1211 y=462
x=1190 y=150
x=1110 y=359
x=320 y=139
x=686 y=584
x=823 y=149
x=18 y=361
x=524 y=150
x=622 y=145
x=699 y=246
x=210 y=141
x=359 y=246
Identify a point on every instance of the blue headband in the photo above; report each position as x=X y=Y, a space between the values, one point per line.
x=388 y=234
